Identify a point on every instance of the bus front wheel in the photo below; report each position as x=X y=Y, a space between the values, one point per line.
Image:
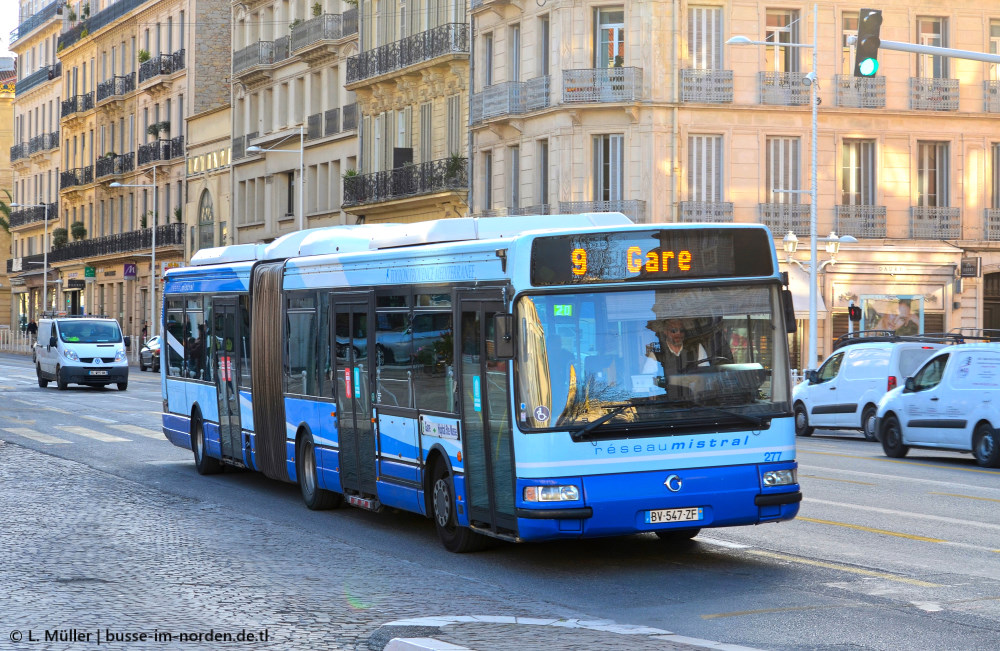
x=204 y=464
x=455 y=538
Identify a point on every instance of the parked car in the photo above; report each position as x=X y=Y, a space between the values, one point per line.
x=844 y=392
x=81 y=350
x=149 y=354
x=950 y=403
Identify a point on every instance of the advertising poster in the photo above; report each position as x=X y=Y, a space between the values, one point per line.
x=901 y=314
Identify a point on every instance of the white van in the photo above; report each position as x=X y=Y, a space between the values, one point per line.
x=844 y=392
x=80 y=350
x=951 y=403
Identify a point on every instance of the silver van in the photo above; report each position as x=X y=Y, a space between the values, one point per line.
x=81 y=350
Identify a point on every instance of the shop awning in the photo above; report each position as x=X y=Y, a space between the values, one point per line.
x=798 y=284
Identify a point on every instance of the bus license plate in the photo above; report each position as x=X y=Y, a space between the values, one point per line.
x=674 y=515
x=98 y=372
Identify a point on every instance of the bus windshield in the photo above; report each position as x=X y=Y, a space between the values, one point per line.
x=90 y=332
x=673 y=357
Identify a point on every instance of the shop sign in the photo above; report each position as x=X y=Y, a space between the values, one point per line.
x=130 y=270
x=972 y=267
x=89 y=272
x=76 y=283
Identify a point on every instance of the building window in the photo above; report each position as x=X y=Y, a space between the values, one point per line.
x=782 y=27
x=994 y=73
x=782 y=169
x=454 y=124
x=488 y=59
x=487 y=180
x=859 y=179
x=206 y=217
x=609 y=41
x=543 y=46
x=426 y=133
x=995 y=200
x=514 y=53
x=290 y=199
x=514 y=180
x=609 y=169
x=543 y=171
x=932 y=174
x=848 y=28
x=705 y=168
x=932 y=31
x=705 y=38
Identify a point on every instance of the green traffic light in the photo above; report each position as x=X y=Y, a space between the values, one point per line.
x=868 y=67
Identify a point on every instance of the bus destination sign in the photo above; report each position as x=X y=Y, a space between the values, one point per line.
x=650 y=255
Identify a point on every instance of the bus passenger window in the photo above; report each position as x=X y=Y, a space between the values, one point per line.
x=433 y=366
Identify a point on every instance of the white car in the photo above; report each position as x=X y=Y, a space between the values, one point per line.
x=844 y=392
x=951 y=403
x=81 y=350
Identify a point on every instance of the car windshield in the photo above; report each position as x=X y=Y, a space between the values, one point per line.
x=670 y=356
x=89 y=332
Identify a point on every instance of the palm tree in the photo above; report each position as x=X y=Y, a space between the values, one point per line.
x=5 y=210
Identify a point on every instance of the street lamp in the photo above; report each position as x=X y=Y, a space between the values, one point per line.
x=45 y=250
x=811 y=78
x=152 y=266
x=254 y=149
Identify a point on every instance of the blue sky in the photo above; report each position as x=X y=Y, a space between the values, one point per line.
x=8 y=21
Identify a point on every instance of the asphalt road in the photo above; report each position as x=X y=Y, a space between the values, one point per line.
x=885 y=554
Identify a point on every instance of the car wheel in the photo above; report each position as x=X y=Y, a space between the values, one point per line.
x=802 y=421
x=62 y=384
x=123 y=386
x=868 y=423
x=986 y=446
x=142 y=367
x=42 y=382
x=204 y=464
x=677 y=535
x=455 y=538
x=156 y=366
x=892 y=438
x=316 y=498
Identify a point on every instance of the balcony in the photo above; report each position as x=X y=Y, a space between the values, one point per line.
x=350 y=117
x=116 y=87
x=783 y=88
x=239 y=147
x=449 y=174
x=935 y=223
x=18 y=151
x=120 y=243
x=634 y=209
x=510 y=98
x=991 y=96
x=43 y=142
x=114 y=165
x=254 y=62
x=449 y=39
x=161 y=150
x=329 y=122
x=707 y=86
x=863 y=222
x=78 y=104
x=315 y=38
x=37 y=78
x=314 y=126
x=784 y=217
x=927 y=94
x=706 y=211
x=76 y=177
x=36 y=20
x=860 y=92
x=98 y=20
x=25 y=216
x=991 y=229
x=161 y=66
x=596 y=85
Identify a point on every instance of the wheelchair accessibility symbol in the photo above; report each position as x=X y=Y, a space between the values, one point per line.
x=541 y=413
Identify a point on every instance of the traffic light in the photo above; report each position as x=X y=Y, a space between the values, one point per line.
x=854 y=313
x=866 y=49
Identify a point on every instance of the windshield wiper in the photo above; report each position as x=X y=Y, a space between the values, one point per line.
x=746 y=418
x=619 y=408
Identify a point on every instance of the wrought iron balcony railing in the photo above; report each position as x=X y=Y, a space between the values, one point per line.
x=350 y=117
x=25 y=216
x=935 y=223
x=991 y=96
x=239 y=147
x=37 y=78
x=991 y=229
x=602 y=85
x=331 y=122
x=120 y=164
x=43 y=142
x=76 y=177
x=784 y=217
x=706 y=211
x=325 y=27
x=282 y=48
x=927 y=94
x=260 y=53
x=160 y=150
x=77 y=104
x=19 y=151
x=783 y=88
x=407 y=181
x=97 y=21
x=118 y=86
x=632 y=208
x=860 y=92
x=128 y=242
x=314 y=126
x=36 y=20
x=162 y=64
x=861 y=221
x=707 y=86
x=451 y=38
x=510 y=98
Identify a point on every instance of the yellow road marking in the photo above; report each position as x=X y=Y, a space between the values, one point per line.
x=968 y=497
x=846 y=481
x=91 y=434
x=139 y=431
x=844 y=568
x=33 y=435
x=903 y=461
x=764 y=611
x=871 y=530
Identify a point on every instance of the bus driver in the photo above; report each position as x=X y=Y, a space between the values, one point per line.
x=675 y=355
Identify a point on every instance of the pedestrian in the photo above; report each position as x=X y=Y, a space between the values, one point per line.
x=32 y=330
x=144 y=331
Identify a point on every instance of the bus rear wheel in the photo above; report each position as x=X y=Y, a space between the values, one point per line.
x=455 y=538
x=204 y=464
x=316 y=498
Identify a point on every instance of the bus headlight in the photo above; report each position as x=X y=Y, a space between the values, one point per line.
x=71 y=354
x=779 y=477
x=120 y=355
x=551 y=493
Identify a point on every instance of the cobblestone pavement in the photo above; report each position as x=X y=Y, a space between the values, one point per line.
x=85 y=552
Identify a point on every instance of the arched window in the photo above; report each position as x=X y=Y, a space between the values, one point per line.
x=206 y=221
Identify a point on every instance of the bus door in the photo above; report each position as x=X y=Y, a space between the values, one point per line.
x=486 y=424
x=351 y=331
x=225 y=359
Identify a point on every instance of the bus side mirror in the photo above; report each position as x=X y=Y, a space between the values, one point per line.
x=791 y=325
x=503 y=326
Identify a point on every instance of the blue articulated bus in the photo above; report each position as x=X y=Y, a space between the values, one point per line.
x=592 y=378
